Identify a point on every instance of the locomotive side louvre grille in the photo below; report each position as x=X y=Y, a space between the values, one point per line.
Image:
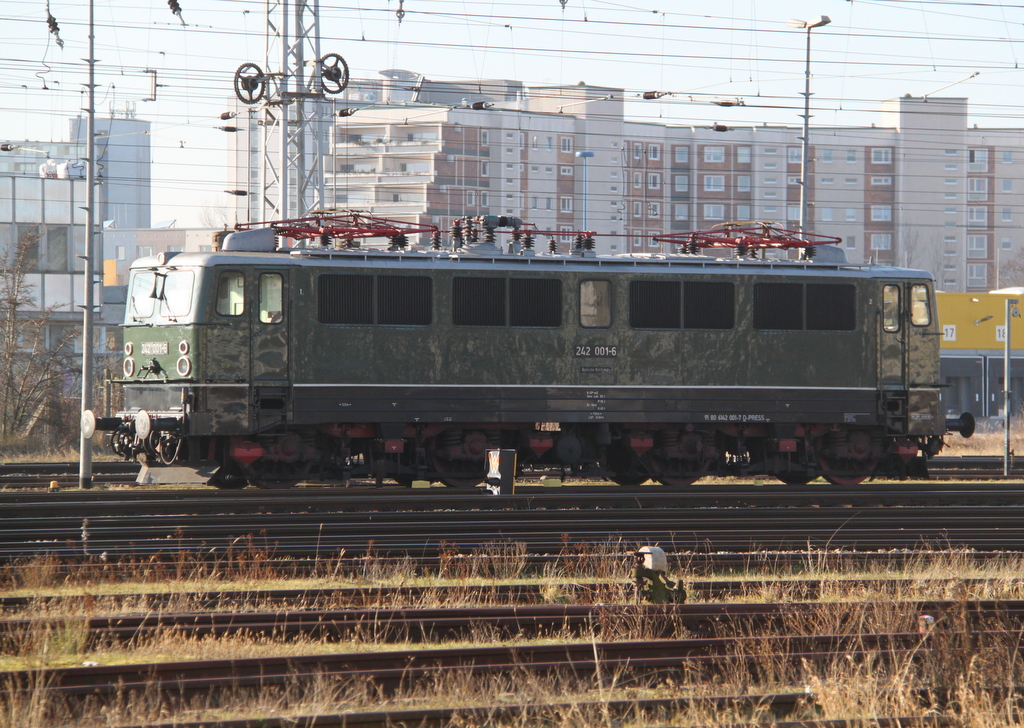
x=831 y=307
x=478 y=301
x=404 y=300
x=709 y=305
x=654 y=304
x=778 y=306
x=345 y=299
x=535 y=302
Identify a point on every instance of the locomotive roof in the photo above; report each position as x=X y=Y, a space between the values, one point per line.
x=494 y=260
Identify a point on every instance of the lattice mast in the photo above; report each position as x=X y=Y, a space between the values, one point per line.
x=294 y=112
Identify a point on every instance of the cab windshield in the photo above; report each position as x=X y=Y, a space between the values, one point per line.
x=164 y=295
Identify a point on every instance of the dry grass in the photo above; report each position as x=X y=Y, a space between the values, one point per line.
x=975 y=665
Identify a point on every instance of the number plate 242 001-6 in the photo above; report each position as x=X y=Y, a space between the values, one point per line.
x=596 y=350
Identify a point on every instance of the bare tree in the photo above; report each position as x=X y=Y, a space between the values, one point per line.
x=213 y=216
x=35 y=375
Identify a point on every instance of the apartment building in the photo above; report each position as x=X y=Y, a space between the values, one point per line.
x=919 y=188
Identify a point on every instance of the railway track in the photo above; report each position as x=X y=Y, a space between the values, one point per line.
x=543 y=528
x=492 y=594
x=434 y=624
x=33 y=476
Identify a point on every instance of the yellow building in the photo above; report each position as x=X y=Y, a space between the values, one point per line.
x=972 y=346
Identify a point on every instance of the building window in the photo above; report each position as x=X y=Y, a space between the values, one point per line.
x=638 y=180
x=565 y=204
x=949 y=210
x=510 y=180
x=1007 y=185
x=483 y=199
x=977 y=246
x=533 y=203
x=770 y=210
x=793 y=213
x=950 y=167
x=1007 y=215
x=1007 y=157
x=654 y=209
x=949 y=181
x=977 y=160
x=881 y=155
x=949 y=195
x=743 y=183
x=771 y=193
x=851 y=242
x=742 y=155
x=470 y=197
x=638 y=209
x=977 y=189
x=484 y=137
x=483 y=169
x=547 y=203
x=567 y=144
x=681 y=183
x=714 y=183
x=654 y=151
x=851 y=214
x=828 y=180
x=680 y=212
x=714 y=212
x=551 y=141
x=549 y=170
x=565 y=170
x=881 y=180
x=682 y=155
x=825 y=214
x=654 y=181
x=826 y=156
x=851 y=156
x=638 y=150
x=950 y=239
x=950 y=152
x=977 y=275
x=771 y=150
x=795 y=155
x=1006 y=243
x=881 y=213
x=977 y=217
x=771 y=165
x=771 y=180
x=714 y=155
x=881 y=241
x=793 y=180
x=850 y=180
x=743 y=212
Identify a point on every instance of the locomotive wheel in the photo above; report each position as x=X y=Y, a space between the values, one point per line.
x=626 y=468
x=678 y=473
x=455 y=473
x=795 y=478
x=228 y=482
x=848 y=472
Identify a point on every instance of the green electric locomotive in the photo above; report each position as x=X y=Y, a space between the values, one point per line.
x=263 y=365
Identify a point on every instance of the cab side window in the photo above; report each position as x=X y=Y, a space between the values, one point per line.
x=271 y=298
x=891 y=308
x=231 y=294
x=920 y=309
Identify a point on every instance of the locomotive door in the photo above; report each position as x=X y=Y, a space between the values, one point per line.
x=892 y=349
x=270 y=347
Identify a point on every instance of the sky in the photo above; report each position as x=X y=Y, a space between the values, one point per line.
x=871 y=51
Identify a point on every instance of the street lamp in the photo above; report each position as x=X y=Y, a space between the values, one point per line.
x=584 y=156
x=808 y=25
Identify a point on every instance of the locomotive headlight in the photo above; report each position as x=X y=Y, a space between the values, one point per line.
x=128 y=348
x=183 y=347
x=129 y=364
x=184 y=365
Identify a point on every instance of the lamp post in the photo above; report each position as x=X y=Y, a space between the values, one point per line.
x=807 y=25
x=1011 y=312
x=584 y=156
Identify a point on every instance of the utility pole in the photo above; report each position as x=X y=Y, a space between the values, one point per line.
x=85 y=443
